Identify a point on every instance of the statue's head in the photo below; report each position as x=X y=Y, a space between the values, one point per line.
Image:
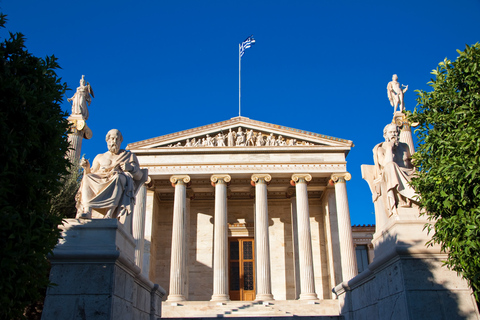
x=394 y=77
x=82 y=81
x=390 y=132
x=114 y=139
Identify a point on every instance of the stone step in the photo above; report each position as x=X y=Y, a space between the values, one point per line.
x=276 y=318
x=319 y=309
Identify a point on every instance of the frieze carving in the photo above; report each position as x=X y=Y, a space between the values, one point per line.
x=240 y=138
x=236 y=168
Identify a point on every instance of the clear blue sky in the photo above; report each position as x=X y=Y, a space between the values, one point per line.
x=158 y=67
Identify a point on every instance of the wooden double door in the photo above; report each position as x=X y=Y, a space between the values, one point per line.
x=241 y=269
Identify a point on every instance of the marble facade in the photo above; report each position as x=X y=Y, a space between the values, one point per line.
x=288 y=195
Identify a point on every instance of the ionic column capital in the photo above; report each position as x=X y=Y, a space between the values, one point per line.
x=341 y=177
x=258 y=177
x=300 y=177
x=181 y=178
x=220 y=177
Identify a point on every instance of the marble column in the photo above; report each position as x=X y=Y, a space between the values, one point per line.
x=262 y=243
x=178 y=254
x=401 y=121
x=307 y=280
x=149 y=213
x=347 y=251
x=138 y=227
x=75 y=138
x=220 y=250
x=293 y=215
x=78 y=131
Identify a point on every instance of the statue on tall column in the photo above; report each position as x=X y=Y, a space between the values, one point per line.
x=82 y=99
x=393 y=172
x=395 y=94
x=112 y=182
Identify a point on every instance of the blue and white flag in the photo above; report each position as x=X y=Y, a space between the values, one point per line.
x=246 y=44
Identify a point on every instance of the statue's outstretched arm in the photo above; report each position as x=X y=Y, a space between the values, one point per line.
x=85 y=164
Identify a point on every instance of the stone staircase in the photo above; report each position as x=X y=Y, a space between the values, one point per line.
x=320 y=309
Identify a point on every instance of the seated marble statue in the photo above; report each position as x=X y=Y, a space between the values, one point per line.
x=112 y=182
x=393 y=171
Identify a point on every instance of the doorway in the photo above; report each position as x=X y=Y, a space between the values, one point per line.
x=241 y=269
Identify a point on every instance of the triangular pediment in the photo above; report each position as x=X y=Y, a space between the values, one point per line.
x=240 y=132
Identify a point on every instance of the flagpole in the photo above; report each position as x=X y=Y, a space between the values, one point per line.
x=239 y=78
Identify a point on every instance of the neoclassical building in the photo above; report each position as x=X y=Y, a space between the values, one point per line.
x=247 y=210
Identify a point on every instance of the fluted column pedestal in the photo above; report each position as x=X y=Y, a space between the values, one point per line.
x=401 y=121
x=78 y=131
x=307 y=280
x=178 y=264
x=75 y=138
x=220 y=250
x=262 y=243
x=349 y=263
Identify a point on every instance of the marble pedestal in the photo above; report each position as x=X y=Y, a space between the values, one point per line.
x=406 y=279
x=96 y=277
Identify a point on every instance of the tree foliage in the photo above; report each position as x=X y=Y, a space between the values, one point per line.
x=64 y=202
x=33 y=135
x=448 y=158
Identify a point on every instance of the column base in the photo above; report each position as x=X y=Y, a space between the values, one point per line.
x=176 y=298
x=264 y=297
x=220 y=297
x=308 y=296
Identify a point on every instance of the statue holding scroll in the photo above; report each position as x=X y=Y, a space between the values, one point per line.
x=112 y=182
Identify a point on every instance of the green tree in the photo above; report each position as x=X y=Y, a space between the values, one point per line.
x=33 y=135
x=448 y=158
x=64 y=202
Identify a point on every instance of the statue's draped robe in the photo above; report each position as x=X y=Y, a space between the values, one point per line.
x=112 y=187
x=390 y=176
x=80 y=100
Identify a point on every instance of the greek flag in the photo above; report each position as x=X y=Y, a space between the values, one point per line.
x=246 y=44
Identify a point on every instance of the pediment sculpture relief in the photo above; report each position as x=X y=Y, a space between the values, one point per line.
x=240 y=138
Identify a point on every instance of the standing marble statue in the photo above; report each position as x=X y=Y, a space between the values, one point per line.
x=270 y=140
x=112 y=182
x=250 y=138
x=231 y=137
x=393 y=171
x=396 y=94
x=220 y=140
x=82 y=99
